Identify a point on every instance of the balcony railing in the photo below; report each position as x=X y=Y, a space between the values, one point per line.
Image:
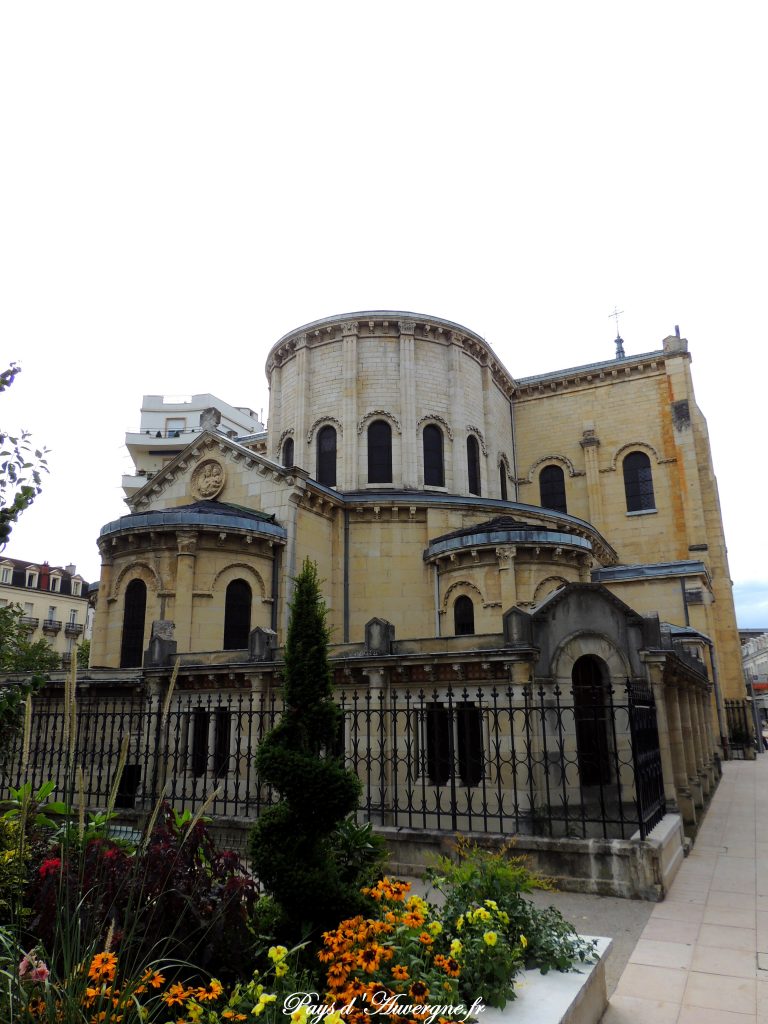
x=73 y=628
x=29 y=621
x=51 y=625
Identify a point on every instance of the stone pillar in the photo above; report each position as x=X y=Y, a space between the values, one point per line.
x=702 y=694
x=590 y=444
x=300 y=449
x=102 y=625
x=684 y=797
x=185 y=581
x=689 y=746
x=460 y=483
x=347 y=443
x=507 y=580
x=699 y=739
x=409 y=458
x=655 y=672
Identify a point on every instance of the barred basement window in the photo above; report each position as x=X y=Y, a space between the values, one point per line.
x=326 y=456
x=461 y=737
x=638 y=482
x=379 y=453
x=200 y=723
x=434 y=472
x=223 y=732
x=552 y=488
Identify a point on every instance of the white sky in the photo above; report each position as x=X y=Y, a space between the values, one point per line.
x=182 y=183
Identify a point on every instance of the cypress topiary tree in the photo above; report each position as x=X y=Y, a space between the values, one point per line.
x=290 y=844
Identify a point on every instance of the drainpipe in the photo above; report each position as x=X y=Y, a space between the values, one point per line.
x=514 y=445
x=437 y=601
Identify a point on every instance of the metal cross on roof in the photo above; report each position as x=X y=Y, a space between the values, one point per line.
x=616 y=314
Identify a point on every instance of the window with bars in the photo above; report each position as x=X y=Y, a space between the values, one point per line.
x=454 y=742
x=552 y=488
x=638 y=482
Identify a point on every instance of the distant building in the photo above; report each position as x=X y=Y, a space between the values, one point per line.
x=54 y=601
x=169 y=423
x=754 y=656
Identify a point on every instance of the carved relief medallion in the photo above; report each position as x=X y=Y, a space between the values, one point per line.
x=208 y=479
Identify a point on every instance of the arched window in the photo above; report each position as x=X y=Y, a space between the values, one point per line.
x=237 y=616
x=434 y=472
x=503 y=481
x=134 y=613
x=326 y=456
x=473 y=464
x=379 y=453
x=288 y=452
x=552 y=488
x=638 y=482
x=463 y=616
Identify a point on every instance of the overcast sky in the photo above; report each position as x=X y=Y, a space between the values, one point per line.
x=182 y=183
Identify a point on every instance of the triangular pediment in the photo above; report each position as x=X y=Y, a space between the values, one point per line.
x=216 y=468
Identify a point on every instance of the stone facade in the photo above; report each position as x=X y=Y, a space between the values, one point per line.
x=437 y=494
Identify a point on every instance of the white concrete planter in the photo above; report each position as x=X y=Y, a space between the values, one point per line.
x=555 y=998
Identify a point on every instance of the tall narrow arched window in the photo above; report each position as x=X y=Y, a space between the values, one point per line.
x=134 y=613
x=552 y=488
x=288 y=452
x=503 y=481
x=434 y=471
x=379 y=453
x=326 y=456
x=638 y=482
x=463 y=616
x=473 y=464
x=237 y=615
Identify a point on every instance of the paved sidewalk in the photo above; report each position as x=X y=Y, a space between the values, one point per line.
x=696 y=961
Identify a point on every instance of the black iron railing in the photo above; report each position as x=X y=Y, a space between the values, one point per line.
x=527 y=760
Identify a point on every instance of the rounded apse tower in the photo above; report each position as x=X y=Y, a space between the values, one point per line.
x=388 y=399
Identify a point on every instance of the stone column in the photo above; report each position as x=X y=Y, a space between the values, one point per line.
x=507 y=581
x=689 y=746
x=409 y=456
x=684 y=797
x=300 y=449
x=590 y=444
x=706 y=738
x=456 y=391
x=347 y=443
x=655 y=672
x=103 y=626
x=698 y=740
x=185 y=581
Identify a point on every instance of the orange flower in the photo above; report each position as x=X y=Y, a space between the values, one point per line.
x=103 y=966
x=400 y=972
x=418 y=992
x=176 y=994
x=426 y=938
x=413 y=919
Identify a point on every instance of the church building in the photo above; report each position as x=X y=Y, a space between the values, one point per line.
x=483 y=540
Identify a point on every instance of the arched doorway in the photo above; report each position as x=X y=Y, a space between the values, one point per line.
x=134 y=613
x=590 y=711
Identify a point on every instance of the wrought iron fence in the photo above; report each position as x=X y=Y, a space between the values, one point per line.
x=530 y=760
x=739 y=718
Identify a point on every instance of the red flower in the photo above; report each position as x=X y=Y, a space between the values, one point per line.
x=50 y=867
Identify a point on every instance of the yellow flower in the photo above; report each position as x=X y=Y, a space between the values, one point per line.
x=281 y=968
x=460 y=923
x=492 y=904
x=481 y=914
x=194 y=1011
x=258 y=1009
x=523 y=941
x=333 y=1018
x=456 y=947
x=299 y=1016
x=435 y=927
x=490 y=938
x=277 y=953
x=267 y=997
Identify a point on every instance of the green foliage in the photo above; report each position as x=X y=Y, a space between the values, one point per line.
x=34 y=808
x=496 y=878
x=13 y=861
x=359 y=852
x=84 y=654
x=17 y=652
x=21 y=466
x=291 y=843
